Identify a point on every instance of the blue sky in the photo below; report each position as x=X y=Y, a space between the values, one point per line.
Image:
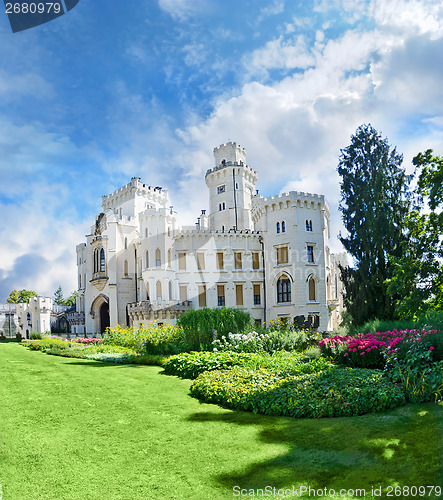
x=123 y=88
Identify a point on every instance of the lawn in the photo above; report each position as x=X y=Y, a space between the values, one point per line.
x=79 y=429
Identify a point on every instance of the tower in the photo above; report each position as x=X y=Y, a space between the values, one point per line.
x=231 y=185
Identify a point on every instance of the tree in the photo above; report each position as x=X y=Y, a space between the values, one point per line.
x=417 y=274
x=16 y=296
x=375 y=200
x=58 y=296
x=71 y=300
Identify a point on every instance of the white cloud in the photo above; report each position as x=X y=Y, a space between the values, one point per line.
x=181 y=10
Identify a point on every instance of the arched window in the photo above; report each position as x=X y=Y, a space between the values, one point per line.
x=147 y=290
x=158 y=290
x=283 y=227
x=125 y=269
x=311 y=286
x=126 y=243
x=169 y=231
x=146 y=232
x=96 y=260
x=169 y=258
x=102 y=261
x=158 y=258
x=283 y=290
x=170 y=289
x=278 y=227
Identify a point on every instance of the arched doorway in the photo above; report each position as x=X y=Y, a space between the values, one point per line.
x=104 y=317
x=100 y=313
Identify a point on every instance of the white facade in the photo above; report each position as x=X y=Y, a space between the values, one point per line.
x=268 y=256
x=35 y=316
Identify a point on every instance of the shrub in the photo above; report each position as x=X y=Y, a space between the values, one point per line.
x=35 y=336
x=290 y=340
x=202 y=326
x=47 y=342
x=331 y=393
x=241 y=342
x=190 y=365
x=151 y=338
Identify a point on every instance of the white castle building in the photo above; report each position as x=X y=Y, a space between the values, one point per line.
x=267 y=256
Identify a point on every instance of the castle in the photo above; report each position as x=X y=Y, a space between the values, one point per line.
x=268 y=256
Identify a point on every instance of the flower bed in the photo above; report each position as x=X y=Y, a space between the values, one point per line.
x=328 y=393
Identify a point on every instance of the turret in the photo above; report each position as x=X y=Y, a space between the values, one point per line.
x=231 y=185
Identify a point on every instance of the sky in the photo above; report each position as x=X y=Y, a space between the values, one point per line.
x=147 y=88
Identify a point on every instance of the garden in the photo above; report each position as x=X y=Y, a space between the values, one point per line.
x=94 y=420
x=277 y=371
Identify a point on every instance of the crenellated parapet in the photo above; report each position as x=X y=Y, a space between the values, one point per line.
x=156 y=195
x=285 y=201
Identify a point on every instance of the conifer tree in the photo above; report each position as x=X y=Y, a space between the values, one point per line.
x=374 y=203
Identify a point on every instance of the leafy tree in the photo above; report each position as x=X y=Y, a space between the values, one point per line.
x=417 y=274
x=17 y=296
x=58 y=296
x=375 y=200
x=71 y=300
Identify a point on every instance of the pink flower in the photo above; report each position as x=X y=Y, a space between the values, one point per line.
x=431 y=348
x=346 y=354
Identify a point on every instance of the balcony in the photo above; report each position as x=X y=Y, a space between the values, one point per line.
x=99 y=280
x=333 y=304
x=153 y=309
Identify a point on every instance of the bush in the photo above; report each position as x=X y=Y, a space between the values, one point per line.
x=202 y=326
x=241 y=342
x=331 y=393
x=291 y=340
x=35 y=336
x=190 y=365
x=151 y=338
x=47 y=343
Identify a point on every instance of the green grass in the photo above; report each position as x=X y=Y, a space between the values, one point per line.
x=78 y=429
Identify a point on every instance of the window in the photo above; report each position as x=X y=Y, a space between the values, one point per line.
x=126 y=243
x=278 y=227
x=95 y=260
x=282 y=255
x=169 y=258
x=237 y=260
x=125 y=269
x=219 y=207
x=182 y=260
x=147 y=258
x=283 y=290
x=147 y=291
x=158 y=258
x=308 y=225
x=310 y=250
x=221 y=189
x=256 y=295
x=170 y=289
x=183 y=293
x=224 y=206
x=202 y=295
x=239 y=294
x=79 y=281
x=169 y=231
x=146 y=232
x=255 y=260
x=158 y=290
x=220 y=263
x=283 y=227
x=200 y=261
x=102 y=260
x=311 y=287
x=221 y=295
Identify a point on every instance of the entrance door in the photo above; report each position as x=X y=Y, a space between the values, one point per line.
x=104 y=317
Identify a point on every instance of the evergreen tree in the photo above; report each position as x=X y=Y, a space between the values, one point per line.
x=375 y=200
x=58 y=296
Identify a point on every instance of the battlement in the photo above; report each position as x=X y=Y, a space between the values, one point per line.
x=231 y=151
x=133 y=189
